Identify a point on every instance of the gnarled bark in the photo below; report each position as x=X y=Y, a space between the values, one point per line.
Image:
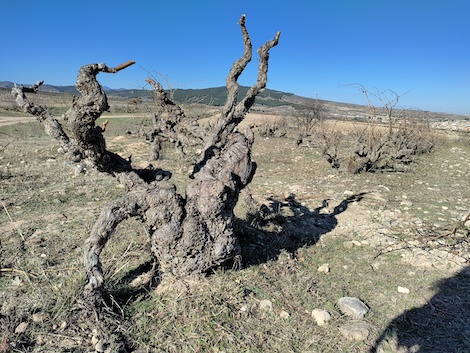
x=171 y=124
x=86 y=144
x=52 y=127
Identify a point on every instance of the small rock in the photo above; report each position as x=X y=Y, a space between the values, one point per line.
x=99 y=347
x=244 y=308
x=406 y=203
x=266 y=305
x=94 y=340
x=348 y=244
x=352 y=307
x=64 y=325
x=355 y=330
x=21 y=328
x=321 y=316
x=325 y=268
x=403 y=290
x=284 y=314
x=39 y=341
x=39 y=317
x=16 y=282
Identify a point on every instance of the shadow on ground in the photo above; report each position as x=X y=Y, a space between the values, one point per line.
x=442 y=325
x=287 y=226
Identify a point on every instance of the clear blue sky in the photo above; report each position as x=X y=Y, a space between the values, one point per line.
x=423 y=45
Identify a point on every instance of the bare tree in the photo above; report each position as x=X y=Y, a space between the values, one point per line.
x=388 y=100
x=315 y=132
x=189 y=235
x=307 y=118
x=393 y=150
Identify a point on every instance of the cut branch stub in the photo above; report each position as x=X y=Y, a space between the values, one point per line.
x=113 y=70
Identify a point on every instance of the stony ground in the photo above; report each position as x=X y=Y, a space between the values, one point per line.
x=394 y=241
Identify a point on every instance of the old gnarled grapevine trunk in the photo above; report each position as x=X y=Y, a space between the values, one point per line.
x=191 y=235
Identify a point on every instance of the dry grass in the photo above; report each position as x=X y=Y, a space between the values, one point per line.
x=51 y=211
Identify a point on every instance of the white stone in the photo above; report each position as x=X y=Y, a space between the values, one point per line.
x=266 y=305
x=39 y=317
x=406 y=203
x=403 y=290
x=321 y=316
x=352 y=307
x=325 y=268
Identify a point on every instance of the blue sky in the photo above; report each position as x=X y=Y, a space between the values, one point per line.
x=402 y=45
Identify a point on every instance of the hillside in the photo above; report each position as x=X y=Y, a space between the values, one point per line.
x=269 y=101
x=214 y=96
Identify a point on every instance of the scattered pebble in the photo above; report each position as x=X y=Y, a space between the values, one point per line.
x=406 y=203
x=355 y=330
x=266 y=305
x=39 y=317
x=325 y=268
x=284 y=314
x=403 y=290
x=21 y=328
x=321 y=316
x=352 y=307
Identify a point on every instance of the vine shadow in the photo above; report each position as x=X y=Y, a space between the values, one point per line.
x=441 y=325
x=287 y=226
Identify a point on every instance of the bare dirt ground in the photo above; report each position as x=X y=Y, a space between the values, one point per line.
x=9 y=120
x=394 y=240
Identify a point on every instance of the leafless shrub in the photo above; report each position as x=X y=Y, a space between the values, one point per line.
x=307 y=118
x=314 y=132
x=392 y=150
x=271 y=128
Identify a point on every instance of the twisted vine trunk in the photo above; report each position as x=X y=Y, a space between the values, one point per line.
x=191 y=235
x=86 y=144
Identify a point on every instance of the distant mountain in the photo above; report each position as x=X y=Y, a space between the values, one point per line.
x=6 y=84
x=215 y=96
